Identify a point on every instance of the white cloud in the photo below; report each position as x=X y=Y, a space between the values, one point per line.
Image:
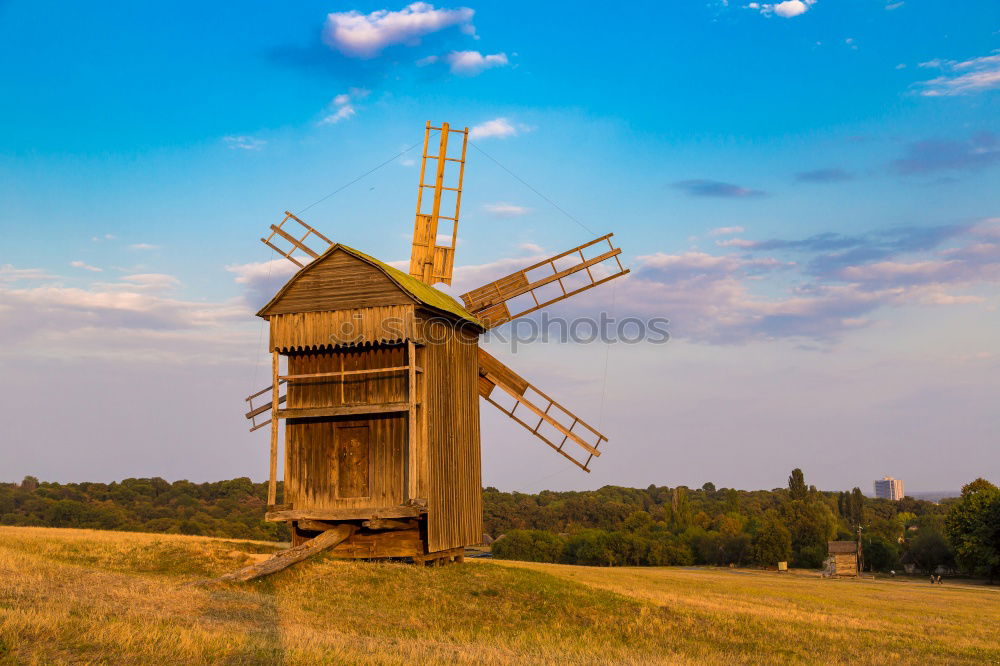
x=360 y=35
x=151 y=281
x=343 y=113
x=962 y=78
x=244 y=142
x=262 y=280
x=131 y=318
x=736 y=242
x=143 y=246
x=10 y=274
x=726 y=231
x=893 y=5
x=498 y=128
x=428 y=60
x=502 y=209
x=86 y=267
x=470 y=63
x=531 y=247
x=343 y=109
x=786 y=9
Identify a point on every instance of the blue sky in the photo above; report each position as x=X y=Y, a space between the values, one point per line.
x=807 y=190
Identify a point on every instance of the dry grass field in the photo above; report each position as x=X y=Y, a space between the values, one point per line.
x=78 y=596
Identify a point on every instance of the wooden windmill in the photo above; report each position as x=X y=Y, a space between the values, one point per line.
x=383 y=374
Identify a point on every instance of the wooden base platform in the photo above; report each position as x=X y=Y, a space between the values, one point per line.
x=378 y=539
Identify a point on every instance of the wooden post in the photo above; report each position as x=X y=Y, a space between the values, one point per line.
x=411 y=423
x=439 y=183
x=272 y=484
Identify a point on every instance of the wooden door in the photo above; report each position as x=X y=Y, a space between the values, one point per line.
x=352 y=445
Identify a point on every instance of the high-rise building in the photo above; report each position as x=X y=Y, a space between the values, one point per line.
x=889 y=488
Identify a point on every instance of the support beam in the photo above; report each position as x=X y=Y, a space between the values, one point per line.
x=342 y=410
x=287 y=558
x=411 y=421
x=403 y=511
x=272 y=484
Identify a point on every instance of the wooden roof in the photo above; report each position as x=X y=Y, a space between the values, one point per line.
x=333 y=281
x=842 y=547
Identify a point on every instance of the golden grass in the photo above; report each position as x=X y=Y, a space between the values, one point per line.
x=79 y=596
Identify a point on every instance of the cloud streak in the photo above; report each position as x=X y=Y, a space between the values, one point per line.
x=935 y=155
x=701 y=187
x=498 y=128
x=471 y=63
x=962 y=78
x=502 y=209
x=827 y=175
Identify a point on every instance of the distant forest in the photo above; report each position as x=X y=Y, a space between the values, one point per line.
x=612 y=526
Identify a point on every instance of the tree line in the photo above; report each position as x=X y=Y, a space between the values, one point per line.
x=233 y=508
x=612 y=526
x=659 y=525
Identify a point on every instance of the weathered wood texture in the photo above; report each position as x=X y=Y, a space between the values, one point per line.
x=351 y=513
x=454 y=489
x=395 y=543
x=328 y=461
x=339 y=282
x=301 y=331
x=845 y=565
x=286 y=558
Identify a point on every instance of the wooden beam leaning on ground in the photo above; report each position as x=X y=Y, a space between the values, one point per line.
x=286 y=558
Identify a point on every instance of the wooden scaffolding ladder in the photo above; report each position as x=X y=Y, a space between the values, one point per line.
x=430 y=260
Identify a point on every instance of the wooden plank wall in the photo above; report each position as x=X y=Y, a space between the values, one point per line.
x=455 y=512
x=300 y=331
x=338 y=281
x=311 y=469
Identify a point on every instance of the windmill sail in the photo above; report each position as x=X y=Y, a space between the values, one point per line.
x=554 y=422
x=433 y=256
x=297 y=244
x=494 y=303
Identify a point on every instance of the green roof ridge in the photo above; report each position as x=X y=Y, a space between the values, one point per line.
x=418 y=289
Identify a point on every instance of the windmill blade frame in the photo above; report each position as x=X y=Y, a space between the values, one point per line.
x=493 y=374
x=296 y=243
x=430 y=260
x=492 y=302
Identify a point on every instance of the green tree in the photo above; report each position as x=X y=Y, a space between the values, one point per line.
x=773 y=541
x=529 y=546
x=855 y=508
x=797 y=489
x=812 y=524
x=973 y=528
x=929 y=550
x=879 y=553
